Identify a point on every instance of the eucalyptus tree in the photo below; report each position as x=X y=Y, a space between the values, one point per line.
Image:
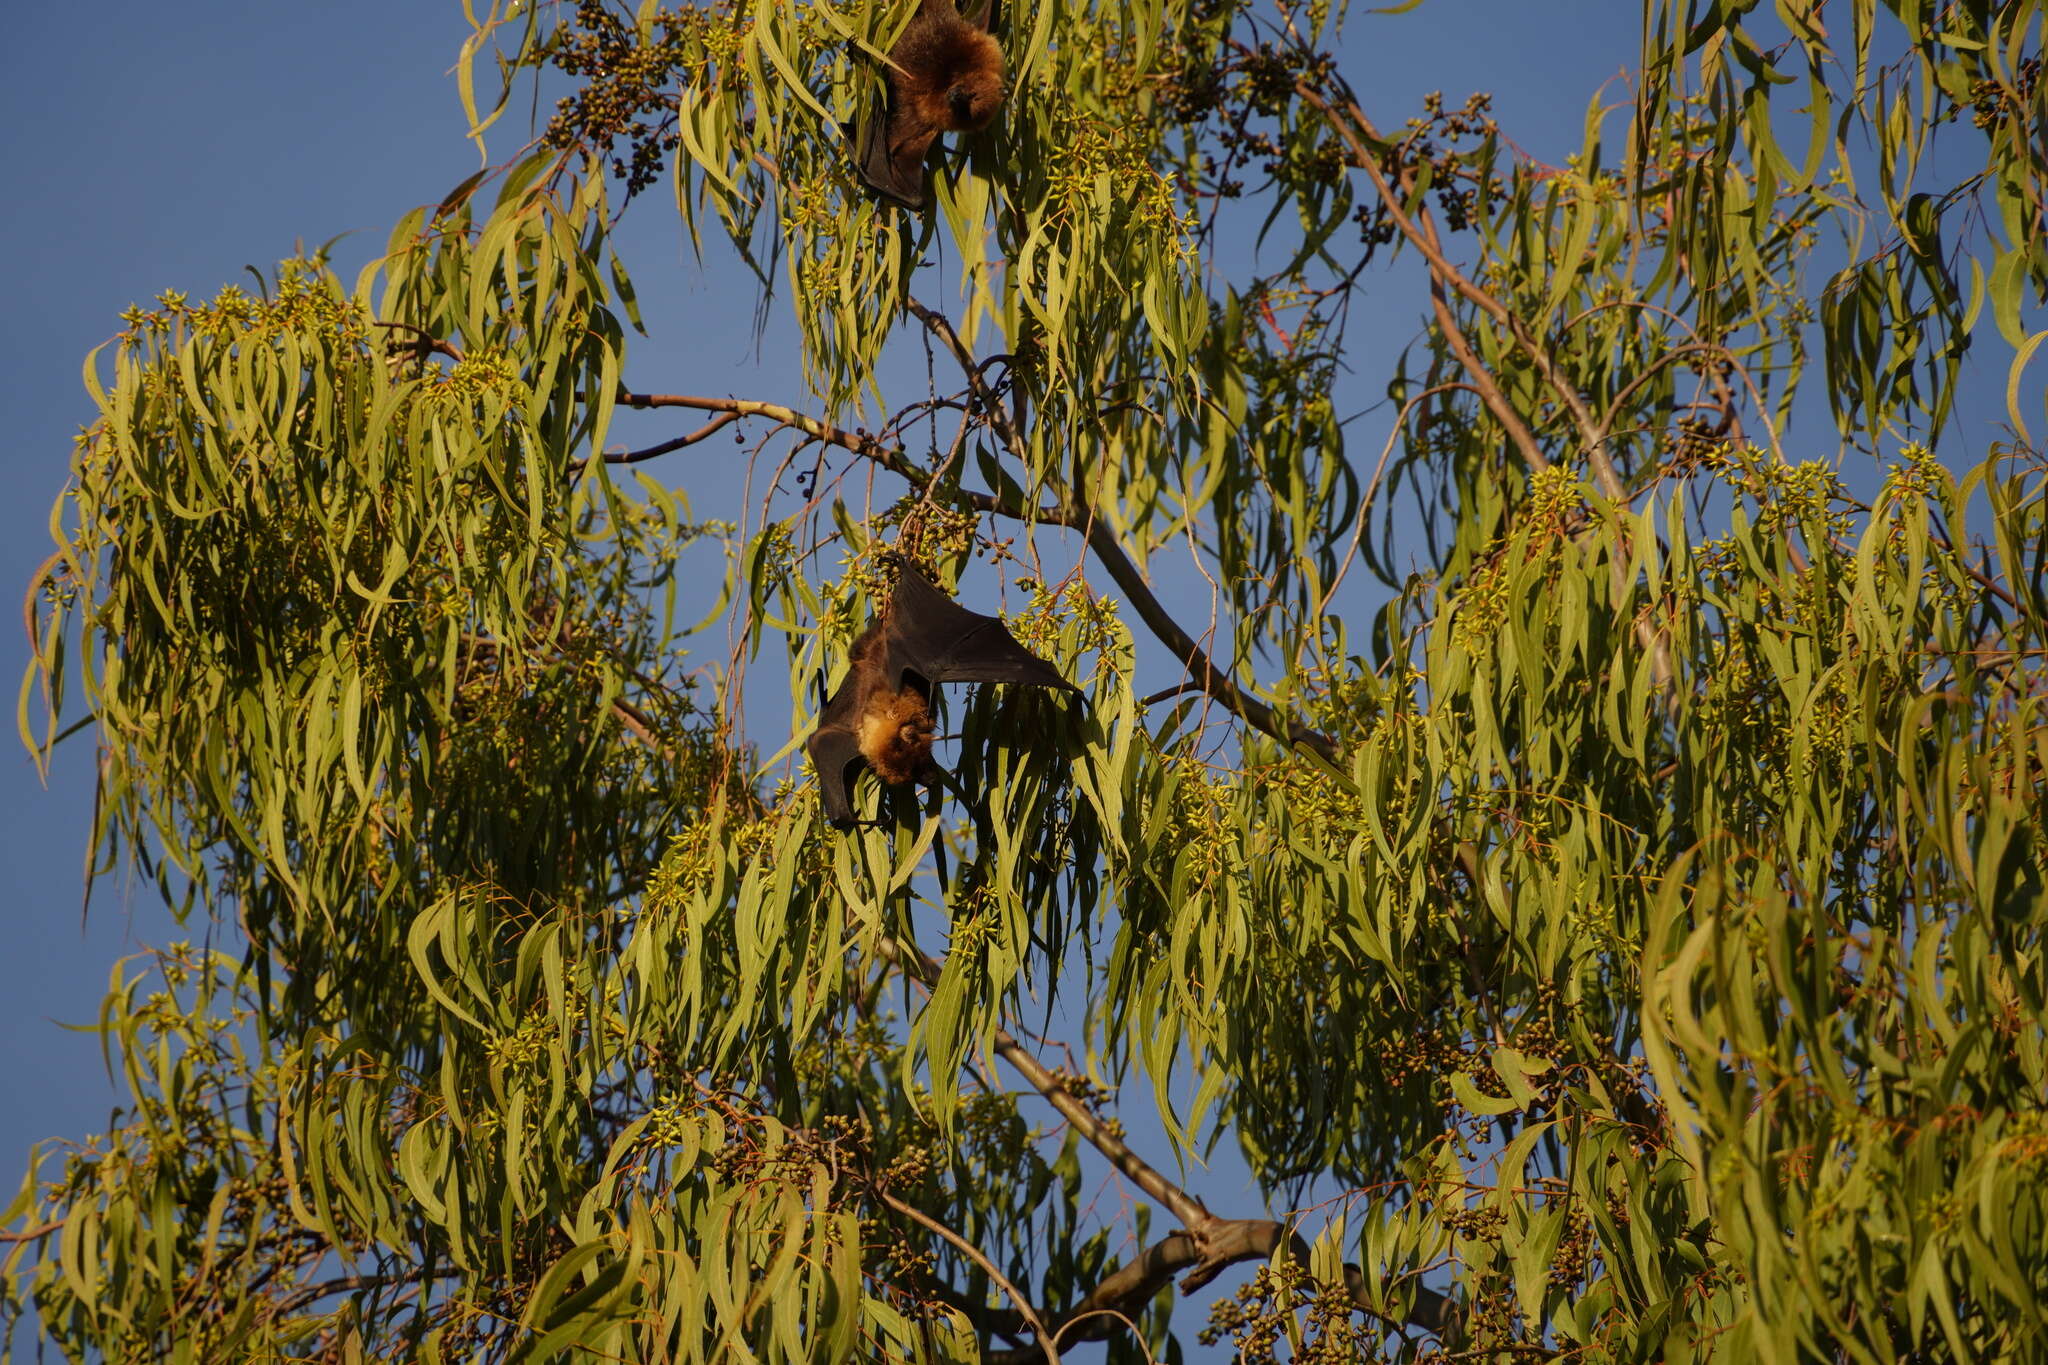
x=1586 y=863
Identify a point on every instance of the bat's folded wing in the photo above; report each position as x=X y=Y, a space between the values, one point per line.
x=942 y=641
x=835 y=753
x=989 y=653
x=889 y=155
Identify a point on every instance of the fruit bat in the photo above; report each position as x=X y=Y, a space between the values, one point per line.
x=881 y=715
x=945 y=75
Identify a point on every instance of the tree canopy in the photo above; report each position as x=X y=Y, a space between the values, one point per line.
x=1574 y=829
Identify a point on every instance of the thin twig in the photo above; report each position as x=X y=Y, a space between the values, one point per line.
x=1168 y=694
x=1373 y=487
x=31 y=1234
x=892 y=458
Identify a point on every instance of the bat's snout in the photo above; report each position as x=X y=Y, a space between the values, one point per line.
x=973 y=102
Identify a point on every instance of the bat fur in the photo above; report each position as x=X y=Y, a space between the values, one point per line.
x=880 y=717
x=945 y=75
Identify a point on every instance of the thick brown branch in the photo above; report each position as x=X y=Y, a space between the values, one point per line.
x=718 y=423
x=1482 y=380
x=1128 y=1288
x=1207 y=1244
x=424 y=342
x=641 y=725
x=1182 y=645
x=1419 y=229
x=1124 y=1292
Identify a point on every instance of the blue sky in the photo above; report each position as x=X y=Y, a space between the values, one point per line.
x=159 y=147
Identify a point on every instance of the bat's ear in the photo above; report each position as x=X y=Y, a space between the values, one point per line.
x=981 y=14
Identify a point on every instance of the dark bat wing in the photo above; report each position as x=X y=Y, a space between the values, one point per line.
x=889 y=150
x=835 y=753
x=983 y=14
x=923 y=639
x=835 y=745
x=930 y=59
x=931 y=635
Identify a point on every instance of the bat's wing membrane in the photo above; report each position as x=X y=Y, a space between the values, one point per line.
x=942 y=641
x=989 y=653
x=835 y=753
x=889 y=155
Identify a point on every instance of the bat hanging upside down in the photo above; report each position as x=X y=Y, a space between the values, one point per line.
x=881 y=715
x=945 y=75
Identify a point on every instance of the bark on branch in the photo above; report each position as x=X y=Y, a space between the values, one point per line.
x=868 y=447
x=1202 y=672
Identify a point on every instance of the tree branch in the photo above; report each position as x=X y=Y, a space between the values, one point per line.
x=1127 y=1288
x=1228 y=1242
x=1205 y=674
x=1076 y=515
x=1419 y=229
x=1101 y=539
x=31 y=1234
x=346 y=1284
x=1179 y=1202
x=939 y=326
x=718 y=423
x=1482 y=379
x=1357 y=130
x=860 y=443
x=1207 y=1245
x=424 y=342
